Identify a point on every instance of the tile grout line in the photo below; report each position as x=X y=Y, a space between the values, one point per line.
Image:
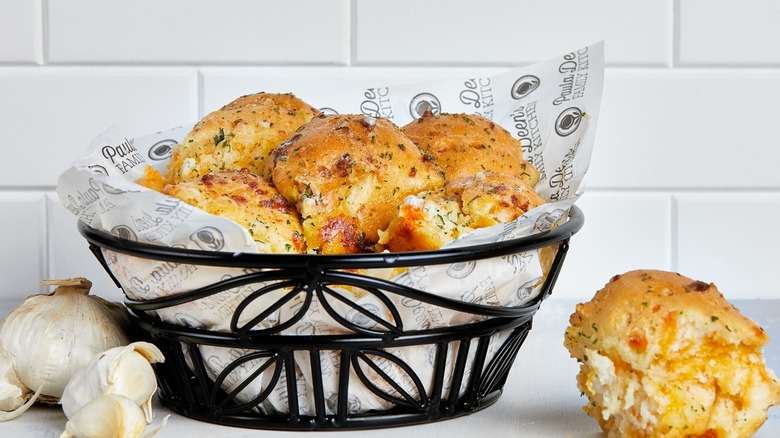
x=46 y=269
x=733 y=68
x=674 y=62
x=352 y=33
x=44 y=54
x=673 y=232
x=200 y=93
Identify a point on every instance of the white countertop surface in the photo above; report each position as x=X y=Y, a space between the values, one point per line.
x=540 y=398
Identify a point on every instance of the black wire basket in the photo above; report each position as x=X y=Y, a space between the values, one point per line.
x=469 y=363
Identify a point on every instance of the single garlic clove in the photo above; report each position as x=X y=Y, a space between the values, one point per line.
x=107 y=416
x=124 y=371
x=134 y=376
x=130 y=373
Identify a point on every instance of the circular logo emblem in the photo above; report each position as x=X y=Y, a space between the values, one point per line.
x=526 y=290
x=424 y=102
x=568 y=121
x=360 y=318
x=208 y=238
x=524 y=85
x=306 y=329
x=461 y=269
x=111 y=190
x=188 y=321
x=98 y=169
x=353 y=403
x=124 y=232
x=161 y=150
x=326 y=110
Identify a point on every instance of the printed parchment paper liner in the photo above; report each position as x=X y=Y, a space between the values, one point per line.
x=551 y=107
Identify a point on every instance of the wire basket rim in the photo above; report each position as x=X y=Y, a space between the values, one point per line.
x=106 y=240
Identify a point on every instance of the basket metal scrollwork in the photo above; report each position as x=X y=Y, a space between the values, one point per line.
x=469 y=363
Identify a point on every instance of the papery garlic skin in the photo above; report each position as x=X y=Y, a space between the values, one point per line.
x=15 y=398
x=13 y=393
x=51 y=336
x=105 y=417
x=125 y=371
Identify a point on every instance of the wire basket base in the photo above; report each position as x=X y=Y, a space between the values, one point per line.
x=478 y=369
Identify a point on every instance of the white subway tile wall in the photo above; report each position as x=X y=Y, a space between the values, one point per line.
x=24 y=241
x=21 y=32
x=183 y=31
x=50 y=115
x=506 y=32
x=723 y=33
x=683 y=176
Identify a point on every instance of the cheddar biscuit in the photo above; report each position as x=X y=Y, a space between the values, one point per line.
x=662 y=355
x=466 y=144
x=347 y=174
x=239 y=135
x=272 y=221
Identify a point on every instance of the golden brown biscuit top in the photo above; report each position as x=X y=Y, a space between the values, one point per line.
x=336 y=146
x=239 y=135
x=665 y=355
x=288 y=102
x=347 y=174
x=465 y=144
x=663 y=311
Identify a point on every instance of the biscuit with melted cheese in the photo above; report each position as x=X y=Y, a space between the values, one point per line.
x=426 y=222
x=347 y=174
x=662 y=355
x=434 y=219
x=249 y=200
x=239 y=135
x=466 y=144
x=491 y=198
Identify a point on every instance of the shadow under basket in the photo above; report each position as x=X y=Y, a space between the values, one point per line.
x=469 y=363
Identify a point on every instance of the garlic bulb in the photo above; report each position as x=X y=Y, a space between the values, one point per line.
x=125 y=371
x=48 y=337
x=108 y=416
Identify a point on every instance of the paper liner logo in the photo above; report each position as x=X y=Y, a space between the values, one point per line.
x=326 y=110
x=424 y=102
x=161 y=150
x=525 y=290
x=189 y=321
x=524 y=86
x=507 y=232
x=432 y=357
x=518 y=262
x=208 y=238
x=568 y=121
x=124 y=232
x=360 y=318
x=112 y=190
x=98 y=169
x=546 y=221
x=353 y=403
x=461 y=269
